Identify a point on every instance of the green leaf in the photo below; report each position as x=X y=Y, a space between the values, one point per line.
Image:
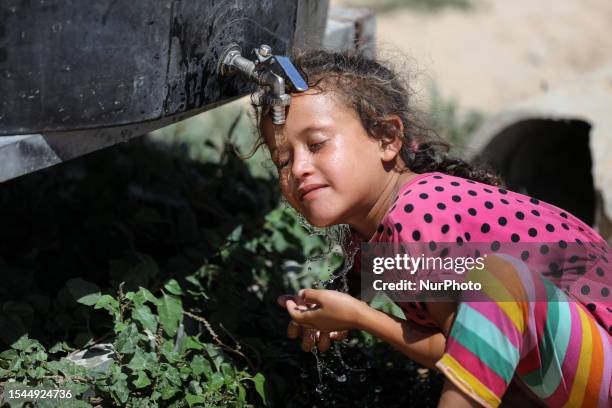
x=259 y=381
x=89 y=300
x=201 y=365
x=36 y=373
x=39 y=355
x=194 y=399
x=142 y=361
x=185 y=371
x=215 y=354
x=147 y=295
x=173 y=287
x=66 y=367
x=26 y=344
x=144 y=315
x=59 y=347
x=68 y=403
x=170 y=311
x=192 y=343
x=194 y=387
x=142 y=296
x=142 y=380
x=83 y=291
x=216 y=382
x=119 y=387
x=172 y=374
x=235 y=235
x=109 y=303
x=170 y=382
x=8 y=355
x=167 y=350
x=241 y=393
x=228 y=371
x=120 y=391
x=127 y=340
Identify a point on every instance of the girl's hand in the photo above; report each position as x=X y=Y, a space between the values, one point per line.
x=310 y=337
x=324 y=310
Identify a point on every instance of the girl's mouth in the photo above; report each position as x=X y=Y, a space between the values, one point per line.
x=309 y=191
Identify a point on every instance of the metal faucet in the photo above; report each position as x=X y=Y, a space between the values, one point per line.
x=266 y=70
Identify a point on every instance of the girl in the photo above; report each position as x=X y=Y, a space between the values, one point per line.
x=352 y=152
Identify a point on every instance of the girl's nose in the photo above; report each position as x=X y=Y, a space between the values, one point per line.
x=302 y=166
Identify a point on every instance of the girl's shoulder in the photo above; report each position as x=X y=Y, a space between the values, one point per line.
x=421 y=205
x=444 y=208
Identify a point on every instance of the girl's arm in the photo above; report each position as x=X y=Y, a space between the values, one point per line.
x=328 y=310
x=331 y=310
x=453 y=397
x=421 y=344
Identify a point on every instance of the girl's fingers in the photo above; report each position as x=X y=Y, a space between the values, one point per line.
x=308 y=340
x=298 y=299
x=311 y=295
x=339 y=335
x=282 y=299
x=293 y=330
x=300 y=313
x=324 y=341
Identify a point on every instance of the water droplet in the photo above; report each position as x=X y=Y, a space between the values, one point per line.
x=341 y=378
x=320 y=389
x=378 y=389
x=117 y=102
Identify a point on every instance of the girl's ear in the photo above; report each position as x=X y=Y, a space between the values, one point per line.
x=391 y=141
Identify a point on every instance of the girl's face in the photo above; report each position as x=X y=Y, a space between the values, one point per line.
x=330 y=170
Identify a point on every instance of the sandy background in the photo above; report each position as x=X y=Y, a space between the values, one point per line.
x=501 y=51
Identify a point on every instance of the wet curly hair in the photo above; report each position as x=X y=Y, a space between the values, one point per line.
x=375 y=91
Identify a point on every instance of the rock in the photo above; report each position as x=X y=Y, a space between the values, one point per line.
x=572 y=122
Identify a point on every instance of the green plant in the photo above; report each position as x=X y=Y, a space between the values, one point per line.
x=446 y=119
x=149 y=367
x=175 y=265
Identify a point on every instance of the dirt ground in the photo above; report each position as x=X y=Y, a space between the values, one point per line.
x=501 y=51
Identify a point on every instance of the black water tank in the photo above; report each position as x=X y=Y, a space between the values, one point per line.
x=73 y=64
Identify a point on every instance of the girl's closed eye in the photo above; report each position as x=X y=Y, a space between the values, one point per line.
x=282 y=164
x=281 y=158
x=314 y=147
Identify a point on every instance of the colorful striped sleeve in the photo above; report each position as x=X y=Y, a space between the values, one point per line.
x=554 y=348
x=480 y=358
x=484 y=346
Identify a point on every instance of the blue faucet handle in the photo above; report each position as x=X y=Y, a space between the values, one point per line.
x=294 y=76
